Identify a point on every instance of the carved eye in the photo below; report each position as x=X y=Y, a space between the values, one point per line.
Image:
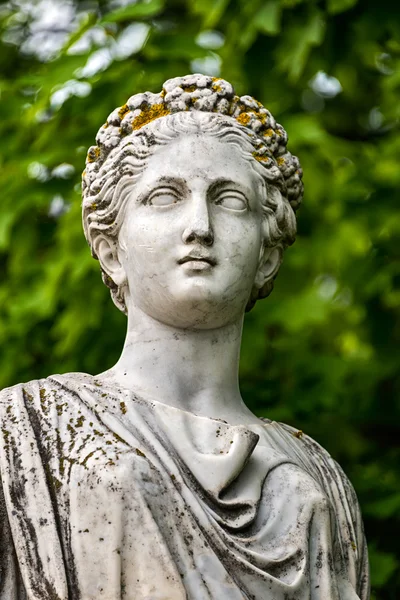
x=232 y=200
x=163 y=197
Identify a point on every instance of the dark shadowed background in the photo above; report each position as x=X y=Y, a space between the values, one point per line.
x=322 y=353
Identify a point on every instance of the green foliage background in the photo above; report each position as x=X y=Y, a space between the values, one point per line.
x=322 y=352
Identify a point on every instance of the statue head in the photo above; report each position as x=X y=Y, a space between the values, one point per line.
x=193 y=109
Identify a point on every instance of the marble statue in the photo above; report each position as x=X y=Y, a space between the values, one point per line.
x=153 y=480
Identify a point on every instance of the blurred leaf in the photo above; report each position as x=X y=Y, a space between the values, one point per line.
x=385 y=508
x=297 y=43
x=211 y=10
x=88 y=20
x=338 y=6
x=268 y=19
x=175 y=46
x=140 y=10
x=383 y=565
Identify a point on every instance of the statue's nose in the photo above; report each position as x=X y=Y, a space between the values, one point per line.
x=199 y=227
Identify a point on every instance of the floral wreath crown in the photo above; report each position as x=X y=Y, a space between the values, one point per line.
x=206 y=94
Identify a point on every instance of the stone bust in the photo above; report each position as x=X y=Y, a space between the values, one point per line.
x=153 y=480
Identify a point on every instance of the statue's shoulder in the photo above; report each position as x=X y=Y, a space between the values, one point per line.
x=19 y=390
x=317 y=460
x=39 y=394
x=304 y=451
x=310 y=456
x=56 y=379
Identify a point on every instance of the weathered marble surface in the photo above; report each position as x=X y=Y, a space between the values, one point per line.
x=111 y=496
x=153 y=480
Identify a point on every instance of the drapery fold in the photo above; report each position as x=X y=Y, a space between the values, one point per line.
x=111 y=496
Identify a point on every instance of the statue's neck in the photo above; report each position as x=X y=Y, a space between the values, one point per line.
x=195 y=370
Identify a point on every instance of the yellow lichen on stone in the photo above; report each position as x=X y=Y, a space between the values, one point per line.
x=93 y=154
x=56 y=482
x=83 y=463
x=122 y=111
x=42 y=395
x=243 y=119
x=217 y=88
x=6 y=435
x=262 y=159
x=80 y=420
x=149 y=114
x=268 y=133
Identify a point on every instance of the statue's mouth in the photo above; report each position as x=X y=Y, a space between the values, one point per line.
x=197 y=258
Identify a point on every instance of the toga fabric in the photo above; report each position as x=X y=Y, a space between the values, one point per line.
x=107 y=496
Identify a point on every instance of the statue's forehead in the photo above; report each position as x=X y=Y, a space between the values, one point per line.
x=199 y=156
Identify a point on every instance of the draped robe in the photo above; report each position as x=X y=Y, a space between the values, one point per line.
x=108 y=496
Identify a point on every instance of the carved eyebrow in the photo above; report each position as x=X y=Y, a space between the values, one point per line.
x=167 y=180
x=222 y=183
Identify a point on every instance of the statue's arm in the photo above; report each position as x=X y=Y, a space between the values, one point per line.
x=11 y=587
x=9 y=572
x=350 y=538
x=359 y=544
x=27 y=550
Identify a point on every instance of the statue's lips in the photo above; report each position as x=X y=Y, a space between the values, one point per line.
x=198 y=261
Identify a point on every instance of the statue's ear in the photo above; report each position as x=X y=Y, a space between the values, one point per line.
x=107 y=252
x=270 y=261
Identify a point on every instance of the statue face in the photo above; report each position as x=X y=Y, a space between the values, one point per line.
x=191 y=240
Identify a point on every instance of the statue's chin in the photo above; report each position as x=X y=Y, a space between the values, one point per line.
x=194 y=310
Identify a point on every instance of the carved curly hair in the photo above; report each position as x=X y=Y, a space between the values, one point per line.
x=188 y=104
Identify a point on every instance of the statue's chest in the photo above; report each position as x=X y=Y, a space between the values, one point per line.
x=98 y=481
x=105 y=519
x=95 y=472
